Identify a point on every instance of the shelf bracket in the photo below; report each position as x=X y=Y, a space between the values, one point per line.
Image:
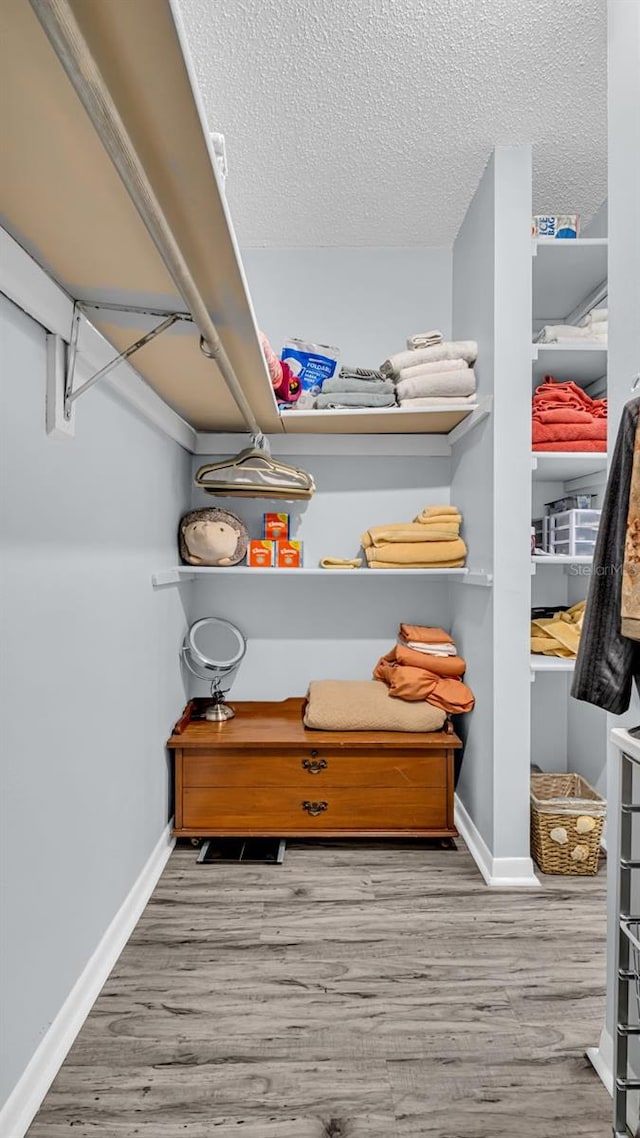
x=71 y=394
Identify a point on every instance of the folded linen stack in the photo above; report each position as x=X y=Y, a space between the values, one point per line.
x=425 y=339
x=565 y=418
x=434 y=374
x=356 y=387
x=424 y=665
x=557 y=633
x=594 y=327
x=430 y=541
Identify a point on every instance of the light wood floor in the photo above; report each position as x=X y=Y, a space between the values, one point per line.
x=355 y=991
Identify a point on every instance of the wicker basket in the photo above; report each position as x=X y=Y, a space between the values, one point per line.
x=567 y=816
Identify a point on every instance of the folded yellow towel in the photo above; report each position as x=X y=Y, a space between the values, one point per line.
x=430 y=512
x=558 y=635
x=418 y=552
x=457 y=564
x=340 y=563
x=447 y=530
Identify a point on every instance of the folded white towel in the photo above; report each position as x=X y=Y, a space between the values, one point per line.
x=596 y=316
x=430 y=400
x=424 y=340
x=448 y=649
x=435 y=368
x=453 y=350
x=559 y=333
x=450 y=383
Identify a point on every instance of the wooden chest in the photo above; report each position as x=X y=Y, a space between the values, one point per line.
x=263 y=773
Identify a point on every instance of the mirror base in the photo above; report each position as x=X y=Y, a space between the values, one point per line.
x=219 y=712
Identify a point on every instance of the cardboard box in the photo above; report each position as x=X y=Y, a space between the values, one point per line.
x=288 y=554
x=260 y=554
x=275 y=527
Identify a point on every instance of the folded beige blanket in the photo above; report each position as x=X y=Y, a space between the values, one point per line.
x=365 y=705
x=444 y=530
x=435 y=368
x=341 y=563
x=431 y=512
x=448 y=384
x=557 y=333
x=458 y=563
x=424 y=339
x=452 y=350
x=438 y=400
x=417 y=552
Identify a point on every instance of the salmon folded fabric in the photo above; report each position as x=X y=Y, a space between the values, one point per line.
x=588 y=446
x=439 y=665
x=415 y=684
x=569 y=432
x=424 y=635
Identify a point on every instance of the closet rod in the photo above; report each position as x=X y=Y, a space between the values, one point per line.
x=73 y=52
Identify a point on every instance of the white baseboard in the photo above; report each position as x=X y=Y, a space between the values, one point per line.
x=498 y=872
x=24 y=1101
x=601 y=1059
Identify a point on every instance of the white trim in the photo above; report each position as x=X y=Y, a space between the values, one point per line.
x=601 y=1059
x=498 y=872
x=413 y=446
x=24 y=1101
x=27 y=284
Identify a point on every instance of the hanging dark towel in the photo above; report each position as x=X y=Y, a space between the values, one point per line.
x=607 y=661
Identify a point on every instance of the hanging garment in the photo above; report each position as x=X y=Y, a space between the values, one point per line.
x=608 y=661
x=630 y=611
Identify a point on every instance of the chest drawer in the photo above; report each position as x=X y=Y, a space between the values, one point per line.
x=284 y=811
x=310 y=769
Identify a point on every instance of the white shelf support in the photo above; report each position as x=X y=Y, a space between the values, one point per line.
x=482 y=411
x=170 y=577
x=70 y=394
x=58 y=425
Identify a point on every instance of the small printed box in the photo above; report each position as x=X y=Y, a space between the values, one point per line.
x=275 y=527
x=260 y=554
x=289 y=554
x=558 y=225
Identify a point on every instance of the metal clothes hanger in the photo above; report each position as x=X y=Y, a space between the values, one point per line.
x=254 y=473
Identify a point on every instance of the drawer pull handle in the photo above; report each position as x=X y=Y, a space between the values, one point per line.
x=315 y=808
x=314 y=766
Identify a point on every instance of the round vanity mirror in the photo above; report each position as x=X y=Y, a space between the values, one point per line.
x=212 y=648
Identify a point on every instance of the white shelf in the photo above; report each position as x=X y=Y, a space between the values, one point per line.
x=559 y=559
x=539 y=663
x=564 y=273
x=438 y=420
x=561 y=466
x=179 y=573
x=583 y=364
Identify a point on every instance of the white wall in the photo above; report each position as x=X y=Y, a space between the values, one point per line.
x=363 y=301
x=492 y=485
x=327 y=627
x=90 y=679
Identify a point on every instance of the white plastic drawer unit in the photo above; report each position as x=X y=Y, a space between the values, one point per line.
x=574 y=532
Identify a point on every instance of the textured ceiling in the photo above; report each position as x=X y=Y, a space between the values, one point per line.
x=369 y=122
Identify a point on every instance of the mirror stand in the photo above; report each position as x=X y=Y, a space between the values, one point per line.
x=218 y=711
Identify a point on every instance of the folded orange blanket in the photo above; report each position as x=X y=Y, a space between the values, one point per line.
x=564 y=414
x=569 y=432
x=588 y=446
x=550 y=396
x=423 y=635
x=414 y=684
x=439 y=665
